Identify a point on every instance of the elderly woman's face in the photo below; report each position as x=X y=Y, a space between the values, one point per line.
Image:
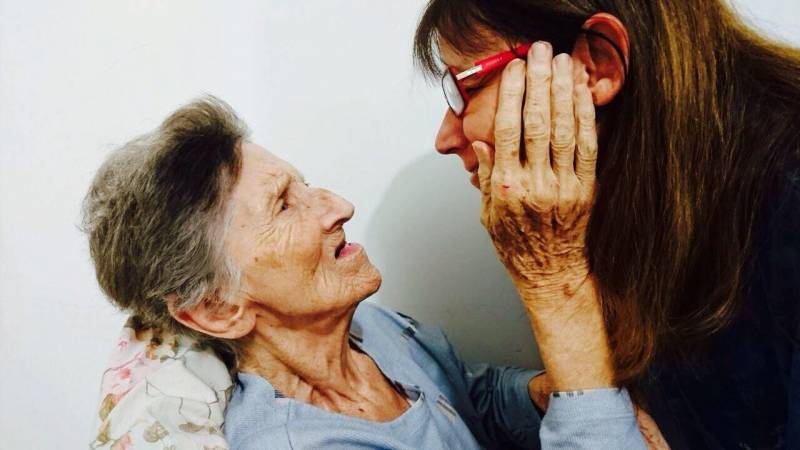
x=288 y=240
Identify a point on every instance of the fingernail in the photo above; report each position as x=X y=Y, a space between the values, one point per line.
x=516 y=64
x=563 y=62
x=540 y=49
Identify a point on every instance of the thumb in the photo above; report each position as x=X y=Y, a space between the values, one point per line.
x=485 y=166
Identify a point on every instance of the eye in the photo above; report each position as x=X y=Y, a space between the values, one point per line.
x=472 y=89
x=283 y=205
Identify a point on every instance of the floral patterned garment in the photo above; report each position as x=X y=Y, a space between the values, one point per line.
x=161 y=391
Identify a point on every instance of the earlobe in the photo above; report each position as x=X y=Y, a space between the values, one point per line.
x=603 y=51
x=222 y=320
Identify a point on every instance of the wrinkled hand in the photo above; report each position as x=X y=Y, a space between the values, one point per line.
x=650 y=431
x=536 y=206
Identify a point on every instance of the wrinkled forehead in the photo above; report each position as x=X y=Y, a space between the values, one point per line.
x=260 y=167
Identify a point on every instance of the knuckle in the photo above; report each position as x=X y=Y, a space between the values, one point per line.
x=562 y=87
x=586 y=116
x=568 y=196
x=587 y=152
x=543 y=199
x=562 y=138
x=509 y=96
x=506 y=134
x=536 y=137
x=586 y=130
x=585 y=201
x=563 y=112
x=536 y=105
x=585 y=159
x=537 y=98
x=541 y=73
x=543 y=203
x=535 y=122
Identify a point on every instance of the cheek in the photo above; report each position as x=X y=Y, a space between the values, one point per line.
x=299 y=246
x=279 y=248
x=281 y=264
x=479 y=117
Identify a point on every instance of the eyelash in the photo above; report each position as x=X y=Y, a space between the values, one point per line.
x=284 y=204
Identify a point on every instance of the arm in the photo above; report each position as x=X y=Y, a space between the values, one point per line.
x=501 y=399
x=537 y=213
x=494 y=402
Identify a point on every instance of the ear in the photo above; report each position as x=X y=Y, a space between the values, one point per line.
x=602 y=61
x=222 y=320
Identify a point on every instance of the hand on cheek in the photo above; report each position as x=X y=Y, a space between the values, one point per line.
x=538 y=187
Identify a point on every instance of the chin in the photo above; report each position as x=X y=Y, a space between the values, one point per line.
x=372 y=281
x=360 y=284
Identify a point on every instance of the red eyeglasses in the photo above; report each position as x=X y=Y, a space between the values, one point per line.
x=453 y=82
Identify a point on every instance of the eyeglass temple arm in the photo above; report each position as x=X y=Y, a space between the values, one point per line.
x=494 y=61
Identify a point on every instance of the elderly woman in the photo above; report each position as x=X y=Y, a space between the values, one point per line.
x=210 y=241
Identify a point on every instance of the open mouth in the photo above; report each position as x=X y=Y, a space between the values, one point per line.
x=345 y=249
x=339 y=249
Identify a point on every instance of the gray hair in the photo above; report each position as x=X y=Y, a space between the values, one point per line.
x=156 y=215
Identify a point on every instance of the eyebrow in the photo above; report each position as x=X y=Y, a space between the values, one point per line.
x=283 y=186
x=284 y=180
x=461 y=64
x=279 y=187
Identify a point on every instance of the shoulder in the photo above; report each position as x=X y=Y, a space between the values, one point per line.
x=373 y=318
x=158 y=389
x=777 y=264
x=369 y=310
x=385 y=330
x=780 y=240
x=257 y=416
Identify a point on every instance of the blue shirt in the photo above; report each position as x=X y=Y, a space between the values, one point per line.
x=454 y=405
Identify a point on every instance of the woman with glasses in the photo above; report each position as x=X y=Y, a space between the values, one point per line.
x=663 y=258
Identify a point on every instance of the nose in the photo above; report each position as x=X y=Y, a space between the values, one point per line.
x=336 y=211
x=450 y=137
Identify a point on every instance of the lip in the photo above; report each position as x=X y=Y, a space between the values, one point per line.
x=473 y=168
x=339 y=246
x=350 y=249
x=473 y=179
x=344 y=250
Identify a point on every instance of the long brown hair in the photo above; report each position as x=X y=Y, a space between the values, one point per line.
x=691 y=154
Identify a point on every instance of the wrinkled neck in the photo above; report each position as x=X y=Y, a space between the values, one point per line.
x=306 y=358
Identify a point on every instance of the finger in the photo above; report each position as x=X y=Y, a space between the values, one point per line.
x=485 y=168
x=507 y=122
x=562 y=138
x=485 y=165
x=650 y=431
x=537 y=106
x=586 y=153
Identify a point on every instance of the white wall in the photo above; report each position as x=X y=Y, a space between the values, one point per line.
x=327 y=84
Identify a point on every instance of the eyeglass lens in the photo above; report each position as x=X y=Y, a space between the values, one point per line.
x=452 y=93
